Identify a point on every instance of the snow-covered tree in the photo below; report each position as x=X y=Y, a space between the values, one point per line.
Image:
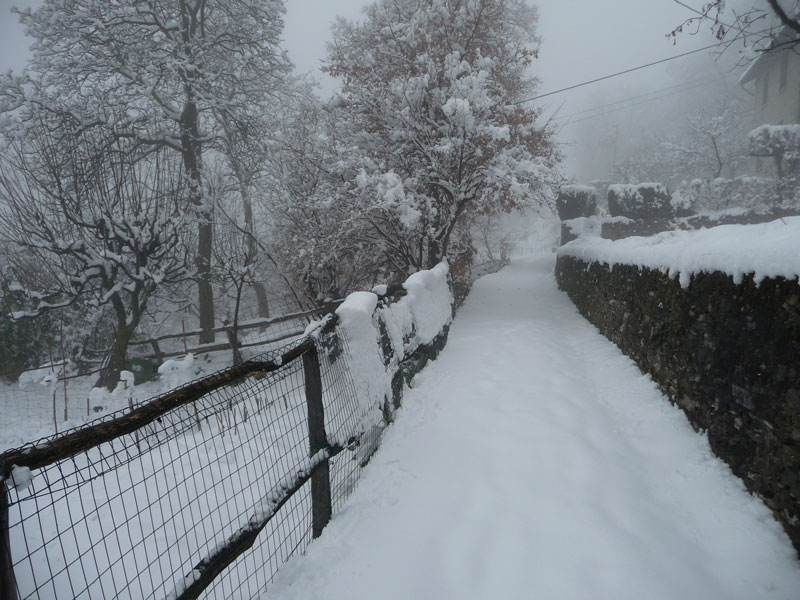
x=105 y=226
x=432 y=111
x=781 y=142
x=318 y=232
x=714 y=143
x=175 y=74
x=710 y=143
x=649 y=159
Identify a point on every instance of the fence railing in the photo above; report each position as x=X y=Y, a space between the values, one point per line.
x=67 y=396
x=233 y=333
x=160 y=500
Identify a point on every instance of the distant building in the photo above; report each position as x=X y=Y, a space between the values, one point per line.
x=774 y=80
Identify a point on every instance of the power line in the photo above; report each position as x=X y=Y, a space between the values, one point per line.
x=675 y=92
x=688 y=85
x=662 y=97
x=612 y=75
x=577 y=85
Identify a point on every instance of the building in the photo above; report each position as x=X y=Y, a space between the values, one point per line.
x=774 y=81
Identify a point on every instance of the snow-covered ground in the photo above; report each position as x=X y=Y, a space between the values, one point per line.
x=533 y=460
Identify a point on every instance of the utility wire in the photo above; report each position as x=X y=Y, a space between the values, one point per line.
x=688 y=85
x=612 y=75
x=577 y=85
x=662 y=97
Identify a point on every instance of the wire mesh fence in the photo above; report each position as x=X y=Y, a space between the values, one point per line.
x=51 y=399
x=160 y=501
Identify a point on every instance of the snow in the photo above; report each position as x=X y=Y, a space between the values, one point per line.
x=582 y=226
x=21 y=478
x=575 y=189
x=369 y=377
x=534 y=460
x=177 y=372
x=623 y=190
x=42 y=375
x=771 y=140
x=430 y=301
x=424 y=311
x=764 y=250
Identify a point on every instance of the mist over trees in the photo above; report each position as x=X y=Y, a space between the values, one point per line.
x=152 y=144
x=687 y=121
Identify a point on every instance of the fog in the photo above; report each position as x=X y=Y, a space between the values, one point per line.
x=582 y=40
x=222 y=272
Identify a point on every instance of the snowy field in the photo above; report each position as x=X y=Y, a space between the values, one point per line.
x=534 y=460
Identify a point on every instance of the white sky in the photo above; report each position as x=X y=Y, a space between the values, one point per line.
x=582 y=40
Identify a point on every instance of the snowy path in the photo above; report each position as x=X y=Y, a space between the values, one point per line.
x=533 y=460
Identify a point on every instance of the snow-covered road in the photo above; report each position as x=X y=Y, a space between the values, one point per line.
x=533 y=460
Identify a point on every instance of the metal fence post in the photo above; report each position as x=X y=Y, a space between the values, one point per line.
x=8 y=584
x=317 y=440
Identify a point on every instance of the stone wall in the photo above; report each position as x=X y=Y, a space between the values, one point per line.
x=728 y=354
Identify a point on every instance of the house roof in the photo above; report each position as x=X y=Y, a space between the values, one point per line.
x=766 y=57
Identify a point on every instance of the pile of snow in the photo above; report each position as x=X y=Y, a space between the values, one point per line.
x=430 y=301
x=21 y=478
x=575 y=189
x=764 y=250
x=46 y=376
x=175 y=373
x=415 y=319
x=369 y=377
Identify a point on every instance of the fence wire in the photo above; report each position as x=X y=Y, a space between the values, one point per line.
x=130 y=518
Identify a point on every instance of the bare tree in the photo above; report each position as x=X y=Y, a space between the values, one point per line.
x=715 y=139
x=164 y=73
x=104 y=223
x=767 y=28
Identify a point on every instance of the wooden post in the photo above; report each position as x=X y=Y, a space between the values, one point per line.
x=317 y=440
x=183 y=327
x=64 y=371
x=8 y=584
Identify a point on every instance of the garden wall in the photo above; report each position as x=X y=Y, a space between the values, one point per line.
x=728 y=353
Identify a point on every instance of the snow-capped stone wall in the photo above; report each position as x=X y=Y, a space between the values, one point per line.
x=391 y=335
x=726 y=349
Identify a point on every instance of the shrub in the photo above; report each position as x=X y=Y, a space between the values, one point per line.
x=576 y=201
x=722 y=194
x=21 y=341
x=642 y=202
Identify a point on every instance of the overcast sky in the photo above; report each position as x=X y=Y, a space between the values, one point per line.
x=582 y=40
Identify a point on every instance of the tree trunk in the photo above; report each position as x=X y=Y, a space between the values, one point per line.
x=252 y=248
x=261 y=299
x=205 y=292
x=117 y=359
x=191 y=153
x=434 y=253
